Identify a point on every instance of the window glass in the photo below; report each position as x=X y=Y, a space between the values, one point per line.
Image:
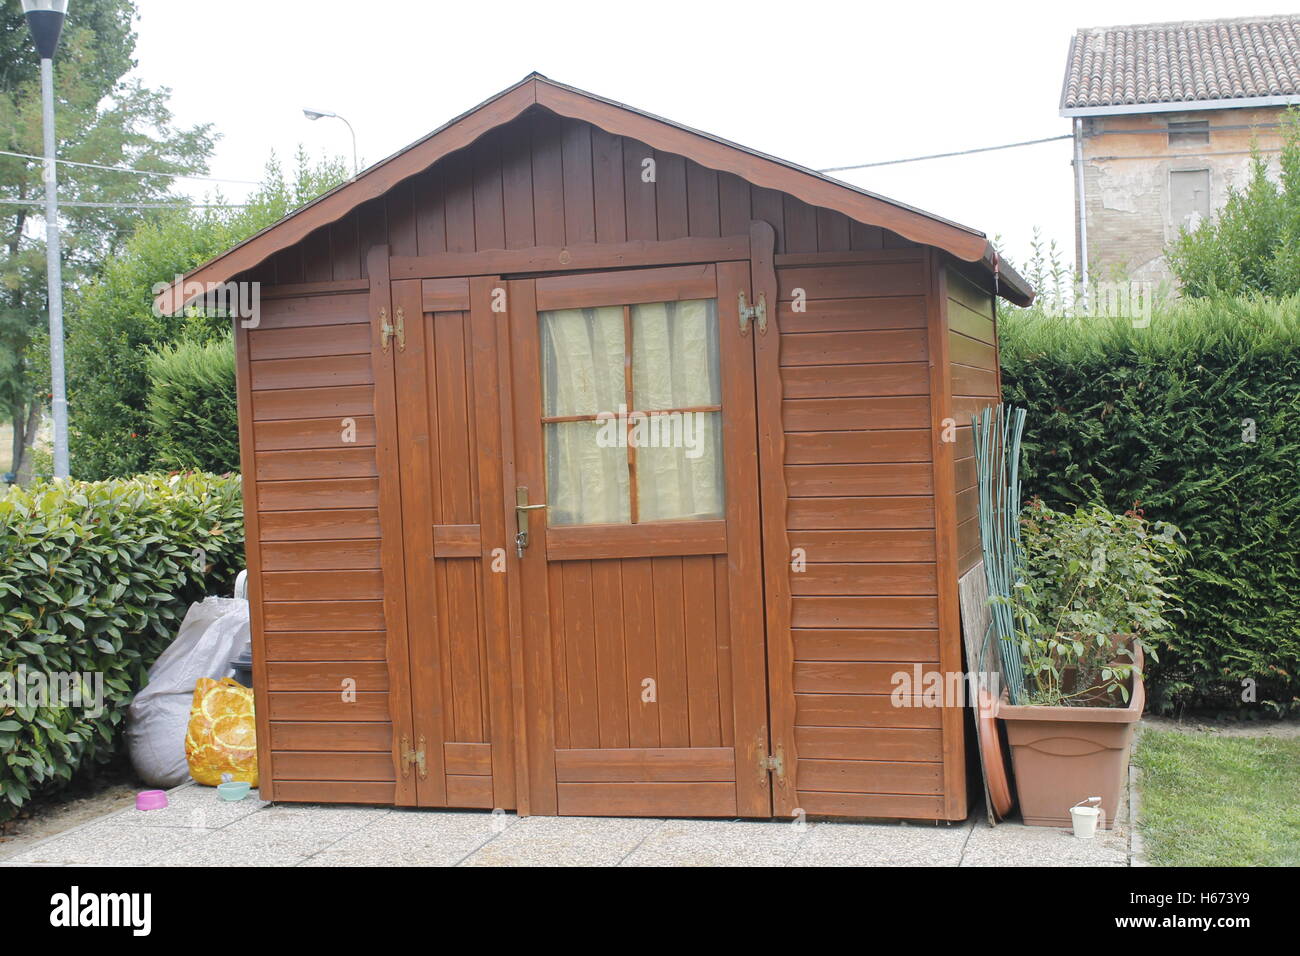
x=632 y=425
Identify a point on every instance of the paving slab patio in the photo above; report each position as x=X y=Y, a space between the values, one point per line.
x=197 y=829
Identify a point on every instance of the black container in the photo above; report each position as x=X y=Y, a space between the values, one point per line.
x=243 y=665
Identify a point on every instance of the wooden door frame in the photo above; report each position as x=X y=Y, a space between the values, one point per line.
x=775 y=538
x=392 y=559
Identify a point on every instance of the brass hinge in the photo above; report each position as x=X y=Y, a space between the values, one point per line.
x=757 y=312
x=387 y=330
x=773 y=763
x=410 y=756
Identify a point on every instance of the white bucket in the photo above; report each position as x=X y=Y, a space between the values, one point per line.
x=1085 y=821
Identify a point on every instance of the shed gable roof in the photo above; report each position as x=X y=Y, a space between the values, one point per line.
x=1243 y=61
x=711 y=151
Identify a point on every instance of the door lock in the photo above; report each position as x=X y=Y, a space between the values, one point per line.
x=522 y=507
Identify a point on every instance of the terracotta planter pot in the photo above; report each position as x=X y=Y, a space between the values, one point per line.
x=1063 y=755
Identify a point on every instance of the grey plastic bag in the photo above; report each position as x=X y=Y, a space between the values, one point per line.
x=215 y=631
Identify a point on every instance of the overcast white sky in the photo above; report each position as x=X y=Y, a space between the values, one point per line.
x=819 y=84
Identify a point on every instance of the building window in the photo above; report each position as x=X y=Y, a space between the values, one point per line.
x=1189 y=133
x=1189 y=196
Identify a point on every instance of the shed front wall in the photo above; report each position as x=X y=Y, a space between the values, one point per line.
x=856 y=496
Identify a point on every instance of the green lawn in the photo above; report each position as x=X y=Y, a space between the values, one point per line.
x=1219 y=801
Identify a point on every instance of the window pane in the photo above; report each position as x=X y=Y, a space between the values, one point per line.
x=675 y=355
x=679 y=466
x=586 y=473
x=582 y=361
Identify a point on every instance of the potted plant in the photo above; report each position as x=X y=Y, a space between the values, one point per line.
x=1092 y=596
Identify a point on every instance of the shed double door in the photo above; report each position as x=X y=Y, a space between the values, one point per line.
x=613 y=661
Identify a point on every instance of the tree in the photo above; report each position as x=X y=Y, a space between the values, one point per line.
x=1253 y=245
x=112 y=328
x=101 y=118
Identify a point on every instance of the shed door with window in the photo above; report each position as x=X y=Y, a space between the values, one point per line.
x=640 y=591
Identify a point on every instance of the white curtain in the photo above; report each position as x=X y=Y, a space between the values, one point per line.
x=675 y=365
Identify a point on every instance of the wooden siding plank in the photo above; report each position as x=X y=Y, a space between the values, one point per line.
x=326 y=493
x=323 y=585
x=832 y=414
x=865 y=545
x=325 y=646
x=811 y=514
x=333 y=735
x=320 y=371
x=326 y=765
x=866 y=279
x=873 y=743
x=864 y=579
x=861 y=677
x=309 y=341
x=294 y=434
x=294 y=403
x=463 y=759
x=329 y=676
x=857 y=447
x=853 y=348
x=861 y=710
x=842 y=481
x=323 y=525
x=871 y=776
x=305 y=464
x=865 y=611
x=865 y=644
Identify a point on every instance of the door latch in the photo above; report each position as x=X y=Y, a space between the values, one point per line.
x=755 y=313
x=522 y=507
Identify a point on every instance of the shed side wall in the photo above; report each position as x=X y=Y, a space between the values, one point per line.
x=859 y=475
x=307 y=393
x=976 y=384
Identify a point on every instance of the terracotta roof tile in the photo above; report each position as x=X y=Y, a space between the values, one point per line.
x=1239 y=58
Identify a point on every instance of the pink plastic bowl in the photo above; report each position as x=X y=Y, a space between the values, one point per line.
x=151 y=800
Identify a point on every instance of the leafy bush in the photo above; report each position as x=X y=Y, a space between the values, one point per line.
x=111 y=326
x=192 y=408
x=1194 y=420
x=95 y=578
x=1253 y=243
x=1086 y=578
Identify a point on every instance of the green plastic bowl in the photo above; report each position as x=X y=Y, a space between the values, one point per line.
x=235 y=790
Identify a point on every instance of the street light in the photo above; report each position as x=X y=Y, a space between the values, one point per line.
x=45 y=21
x=324 y=114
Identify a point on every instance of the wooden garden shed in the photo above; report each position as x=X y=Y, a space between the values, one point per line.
x=706 y=626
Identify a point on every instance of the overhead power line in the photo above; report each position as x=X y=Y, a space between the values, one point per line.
x=960 y=152
x=129 y=169
x=126 y=205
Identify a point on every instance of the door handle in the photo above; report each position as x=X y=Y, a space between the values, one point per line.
x=522 y=507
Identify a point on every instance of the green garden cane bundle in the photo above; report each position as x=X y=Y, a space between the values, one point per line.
x=997 y=431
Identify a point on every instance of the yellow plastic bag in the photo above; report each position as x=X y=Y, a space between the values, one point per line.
x=222 y=735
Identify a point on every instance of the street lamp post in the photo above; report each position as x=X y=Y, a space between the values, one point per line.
x=45 y=20
x=325 y=114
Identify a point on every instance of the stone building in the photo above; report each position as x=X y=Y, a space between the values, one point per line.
x=1165 y=116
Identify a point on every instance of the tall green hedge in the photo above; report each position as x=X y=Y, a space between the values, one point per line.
x=193 y=415
x=95 y=579
x=1194 y=419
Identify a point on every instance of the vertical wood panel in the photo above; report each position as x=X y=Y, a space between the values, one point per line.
x=670 y=651
x=701 y=651
x=489 y=205
x=458 y=202
x=548 y=181
x=639 y=628
x=579 y=200
x=611 y=674
x=607 y=176
x=517 y=189
x=670 y=196
x=430 y=218
x=638 y=195
x=702 y=200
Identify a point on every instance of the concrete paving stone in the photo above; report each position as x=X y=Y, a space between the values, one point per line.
x=414 y=838
x=310 y=818
x=104 y=843
x=720 y=843
x=1014 y=844
x=233 y=846
x=882 y=844
x=564 y=841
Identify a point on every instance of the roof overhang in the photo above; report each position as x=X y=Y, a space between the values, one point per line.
x=1182 y=106
x=711 y=151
